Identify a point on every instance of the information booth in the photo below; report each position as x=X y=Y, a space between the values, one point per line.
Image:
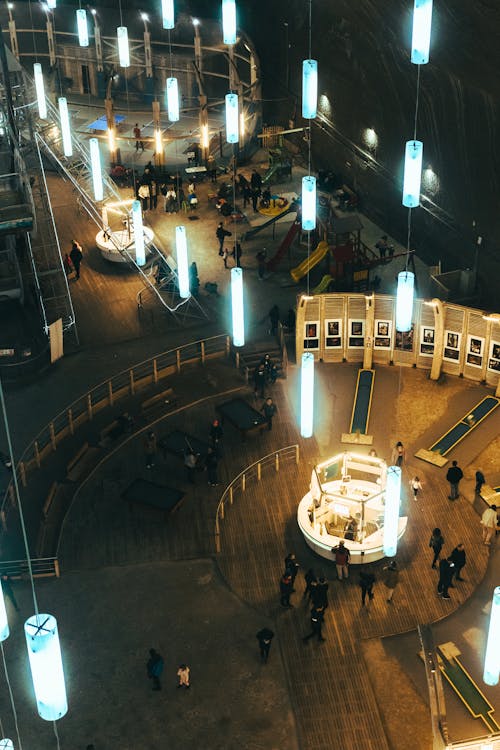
x=346 y=500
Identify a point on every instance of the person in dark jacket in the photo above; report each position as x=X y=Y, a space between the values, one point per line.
x=269 y=410
x=453 y=476
x=459 y=558
x=286 y=588
x=76 y=256
x=391 y=579
x=317 y=617
x=366 y=581
x=7 y=590
x=480 y=480
x=265 y=636
x=216 y=435
x=221 y=234
x=319 y=594
x=292 y=566
x=259 y=379
x=436 y=543
x=154 y=668
x=446 y=571
x=311 y=583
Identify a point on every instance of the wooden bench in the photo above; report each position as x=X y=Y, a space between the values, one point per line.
x=81 y=462
x=164 y=398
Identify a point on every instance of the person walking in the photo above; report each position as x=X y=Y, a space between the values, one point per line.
x=489 y=522
x=139 y=143
x=154 y=668
x=342 y=557
x=453 y=476
x=311 y=583
x=416 y=486
x=237 y=253
x=7 y=590
x=211 y=464
x=398 y=454
x=436 y=544
x=215 y=436
x=76 y=256
x=269 y=410
x=286 y=588
x=480 y=480
x=183 y=675
x=221 y=234
x=366 y=581
x=292 y=567
x=458 y=558
x=265 y=636
x=391 y=579
x=150 y=449
x=317 y=617
x=446 y=570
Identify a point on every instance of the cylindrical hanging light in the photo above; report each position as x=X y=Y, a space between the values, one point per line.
x=65 y=127
x=229 y=21
x=391 y=510
x=51 y=4
x=95 y=163
x=414 y=152
x=308 y=203
x=4 y=623
x=40 y=91
x=182 y=262
x=167 y=13
x=404 y=301
x=6 y=744
x=172 y=99
x=232 y=119
x=492 y=655
x=44 y=651
x=123 y=50
x=140 y=248
x=81 y=24
x=307 y=395
x=309 y=89
x=237 y=307
x=421 y=36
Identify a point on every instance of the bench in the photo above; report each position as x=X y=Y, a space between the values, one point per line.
x=489 y=495
x=53 y=511
x=81 y=462
x=163 y=398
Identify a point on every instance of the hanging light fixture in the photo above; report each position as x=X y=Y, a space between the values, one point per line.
x=65 y=126
x=404 y=301
x=232 y=118
x=123 y=50
x=391 y=510
x=40 y=91
x=182 y=262
x=4 y=623
x=95 y=163
x=307 y=395
x=413 y=173
x=421 y=35
x=51 y=4
x=492 y=656
x=229 y=21
x=308 y=203
x=140 y=248
x=172 y=99
x=6 y=744
x=237 y=307
x=167 y=13
x=81 y=24
x=44 y=651
x=309 y=89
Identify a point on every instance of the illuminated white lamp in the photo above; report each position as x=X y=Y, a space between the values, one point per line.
x=4 y=623
x=232 y=118
x=421 y=35
x=123 y=50
x=81 y=24
x=40 y=91
x=404 y=301
x=391 y=510
x=6 y=744
x=158 y=141
x=65 y=127
x=237 y=307
x=308 y=203
x=229 y=21
x=44 y=651
x=140 y=248
x=309 y=89
x=414 y=152
x=492 y=656
x=51 y=4
x=182 y=261
x=172 y=99
x=204 y=140
x=307 y=395
x=167 y=14
x=95 y=163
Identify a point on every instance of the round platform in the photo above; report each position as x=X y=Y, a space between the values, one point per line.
x=118 y=246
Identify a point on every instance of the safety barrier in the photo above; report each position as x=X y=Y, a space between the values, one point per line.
x=42 y=567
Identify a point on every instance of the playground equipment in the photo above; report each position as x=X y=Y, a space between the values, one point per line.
x=361 y=409
x=255 y=230
x=284 y=247
x=323 y=284
x=280 y=165
x=316 y=257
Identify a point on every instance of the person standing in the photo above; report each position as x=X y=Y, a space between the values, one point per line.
x=256 y=181
x=311 y=583
x=436 y=543
x=138 y=138
x=398 y=454
x=292 y=567
x=366 y=581
x=342 y=557
x=237 y=253
x=211 y=464
x=446 y=570
x=317 y=617
x=144 y=194
x=416 y=486
x=319 y=593
x=480 y=480
x=216 y=434
x=453 y=476
x=259 y=380
x=221 y=234
x=7 y=590
x=382 y=246
x=183 y=675
x=154 y=668
x=153 y=194
x=458 y=558
x=391 y=579
x=150 y=449
x=269 y=410
x=286 y=588
x=265 y=636
x=76 y=256
x=489 y=522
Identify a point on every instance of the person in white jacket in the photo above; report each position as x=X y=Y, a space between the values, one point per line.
x=489 y=521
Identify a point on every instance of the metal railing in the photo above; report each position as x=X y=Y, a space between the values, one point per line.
x=251 y=473
x=42 y=567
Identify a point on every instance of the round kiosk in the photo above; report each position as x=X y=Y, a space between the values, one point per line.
x=119 y=247
x=346 y=500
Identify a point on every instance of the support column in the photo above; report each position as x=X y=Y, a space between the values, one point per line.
x=437 y=359
x=203 y=120
x=198 y=58
x=370 y=328
x=158 y=152
x=51 y=42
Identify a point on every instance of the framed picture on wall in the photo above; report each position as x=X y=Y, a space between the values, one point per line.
x=475 y=347
x=494 y=358
x=311 y=334
x=356 y=333
x=404 y=341
x=451 y=354
x=382 y=334
x=427 y=335
x=452 y=346
x=333 y=334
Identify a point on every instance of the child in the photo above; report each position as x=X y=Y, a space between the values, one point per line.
x=183 y=675
x=416 y=485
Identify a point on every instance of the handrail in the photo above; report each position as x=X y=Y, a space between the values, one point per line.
x=41 y=567
x=228 y=494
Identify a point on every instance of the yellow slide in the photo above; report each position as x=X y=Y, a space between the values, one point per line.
x=323 y=284
x=306 y=265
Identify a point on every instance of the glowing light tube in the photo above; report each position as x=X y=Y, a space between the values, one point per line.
x=172 y=99
x=51 y=4
x=42 y=641
x=6 y=744
x=40 y=91
x=404 y=301
x=492 y=656
x=307 y=395
x=309 y=89
x=232 y=119
x=4 y=623
x=167 y=14
x=182 y=261
x=421 y=35
x=229 y=21
x=391 y=510
x=308 y=203
x=237 y=307
x=140 y=248
x=123 y=50
x=413 y=173
x=95 y=163
x=81 y=24
x=65 y=127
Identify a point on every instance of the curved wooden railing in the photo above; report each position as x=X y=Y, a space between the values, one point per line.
x=251 y=473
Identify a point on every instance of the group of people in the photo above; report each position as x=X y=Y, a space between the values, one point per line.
x=225 y=253
x=265 y=373
x=450 y=567
x=154 y=670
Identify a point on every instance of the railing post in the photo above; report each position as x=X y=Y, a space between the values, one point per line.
x=202 y=352
x=155 y=372
x=70 y=421
x=56 y=568
x=52 y=436
x=237 y=360
x=37 y=453
x=297 y=454
x=22 y=472
x=12 y=496
x=110 y=392
x=131 y=379
x=228 y=345
x=89 y=406
x=246 y=375
x=277 y=461
x=243 y=482
x=259 y=471
x=178 y=359
x=3 y=520
x=231 y=495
